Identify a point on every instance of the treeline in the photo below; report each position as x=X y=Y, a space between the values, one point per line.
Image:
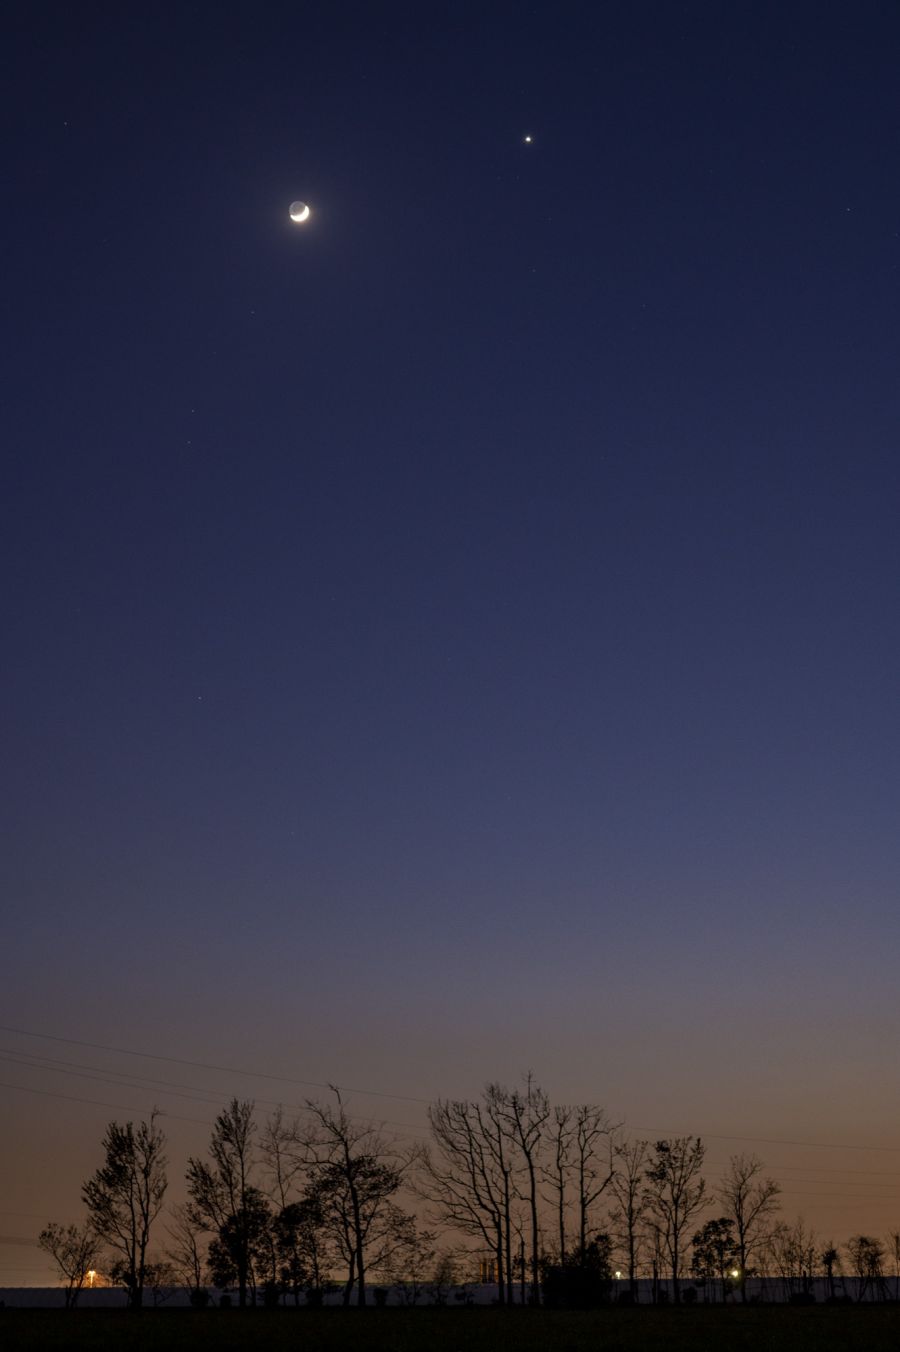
x=552 y=1202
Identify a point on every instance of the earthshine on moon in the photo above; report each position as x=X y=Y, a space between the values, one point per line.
x=299 y=212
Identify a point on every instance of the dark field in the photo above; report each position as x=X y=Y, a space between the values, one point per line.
x=760 y=1329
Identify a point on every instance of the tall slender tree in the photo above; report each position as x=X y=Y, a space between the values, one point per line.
x=593 y=1162
x=793 y=1251
x=354 y=1173
x=524 y=1114
x=499 y=1155
x=578 y=1167
x=221 y=1190
x=629 y=1209
x=465 y=1178
x=558 y=1169
x=283 y=1167
x=675 y=1192
x=185 y=1252
x=125 y=1196
x=748 y=1200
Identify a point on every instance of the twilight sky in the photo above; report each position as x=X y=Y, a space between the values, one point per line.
x=458 y=635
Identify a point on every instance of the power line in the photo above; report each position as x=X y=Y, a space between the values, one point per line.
x=407 y=1098
x=836 y=1185
x=99 y=1103
x=826 y=1192
x=128 y=1080
x=768 y=1140
x=831 y=1169
x=124 y=1079
x=815 y=1202
x=206 y=1065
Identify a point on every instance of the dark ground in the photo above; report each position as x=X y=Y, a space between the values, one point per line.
x=757 y=1329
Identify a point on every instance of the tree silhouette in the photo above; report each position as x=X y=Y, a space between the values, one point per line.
x=524 y=1114
x=74 y=1250
x=125 y=1196
x=675 y=1192
x=749 y=1200
x=715 y=1252
x=354 y=1172
x=630 y=1203
x=867 y=1260
x=466 y=1178
x=220 y=1191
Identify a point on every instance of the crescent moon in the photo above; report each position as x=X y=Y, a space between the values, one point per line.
x=299 y=212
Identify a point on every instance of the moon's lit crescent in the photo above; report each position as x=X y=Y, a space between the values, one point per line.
x=299 y=212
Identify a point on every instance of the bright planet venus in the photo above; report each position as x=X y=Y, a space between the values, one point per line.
x=299 y=212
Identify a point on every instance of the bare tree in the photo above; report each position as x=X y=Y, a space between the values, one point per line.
x=524 y=1114
x=657 y=1251
x=465 y=1178
x=675 y=1191
x=161 y=1280
x=558 y=1168
x=409 y=1262
x=793 y=1252
x=359 y=1216
x=283 y=1167
x=354 y=1172
x=629 y=1209
x=593 y=1162
x=748 y=1200
x=222 y=1194
x=185 y=1252
x=500 y=1155
x=125 y=1196
x=446 y=1273
x=578 y=1166
x=74 y=1249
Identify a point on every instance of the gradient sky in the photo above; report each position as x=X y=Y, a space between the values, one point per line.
x=459 y=635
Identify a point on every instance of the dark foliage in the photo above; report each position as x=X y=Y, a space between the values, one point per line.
x=583 y=1281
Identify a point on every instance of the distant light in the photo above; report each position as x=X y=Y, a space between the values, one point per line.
x=618 y=1275
x=528 y=140
x=91 y=1275
x=735 y=1273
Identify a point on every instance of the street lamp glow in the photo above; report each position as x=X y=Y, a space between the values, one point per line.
x=618 y=1275
x=91 y=1275
x=735 y=1272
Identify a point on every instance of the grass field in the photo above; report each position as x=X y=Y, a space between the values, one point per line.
x=752 y=1329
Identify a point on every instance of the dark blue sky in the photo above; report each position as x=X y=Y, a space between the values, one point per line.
x=461 y=633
